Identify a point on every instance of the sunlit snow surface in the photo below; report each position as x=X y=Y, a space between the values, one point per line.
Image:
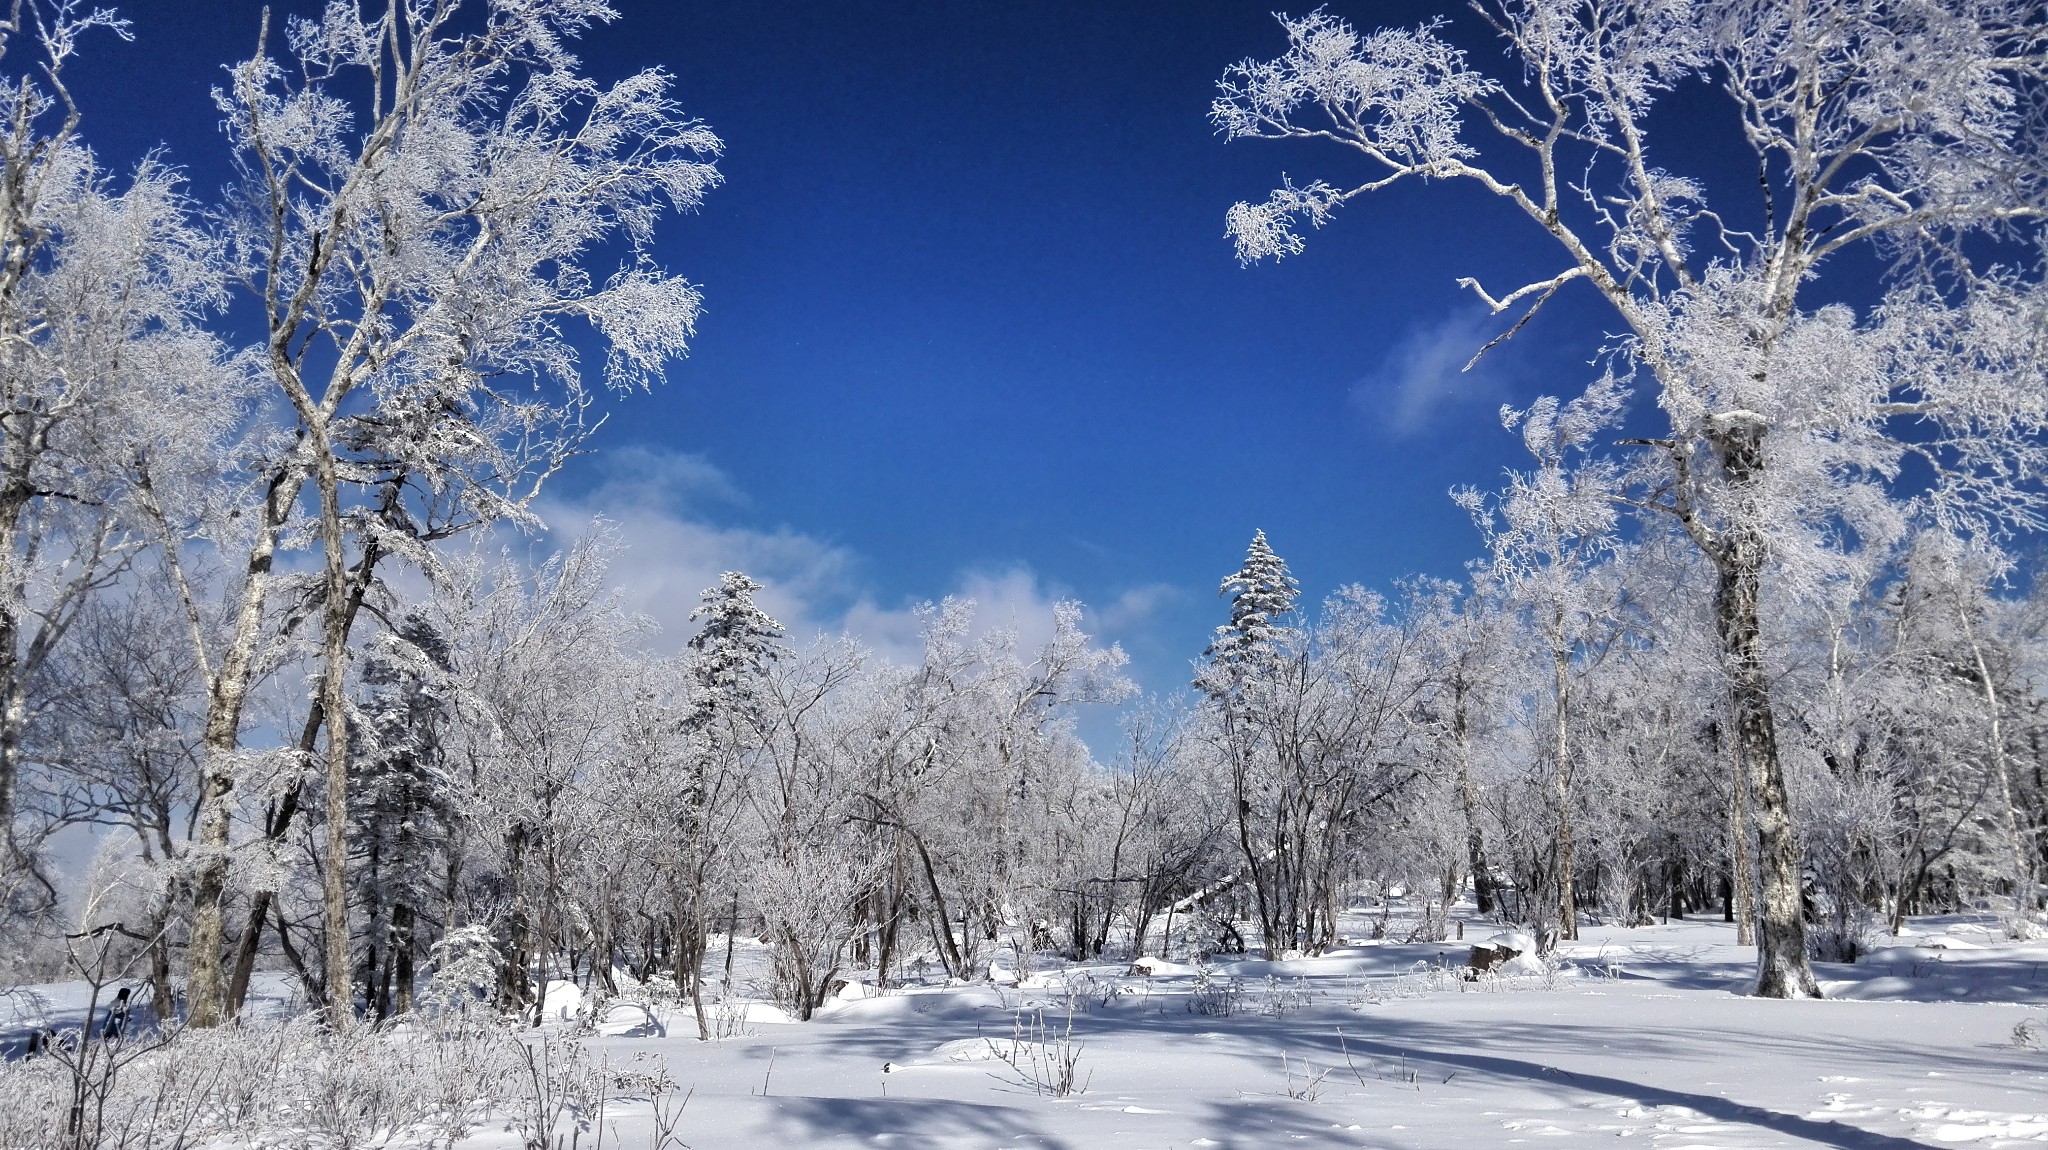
x=1643 y=1039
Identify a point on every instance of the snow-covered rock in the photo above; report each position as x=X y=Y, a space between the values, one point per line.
x=561 y=1002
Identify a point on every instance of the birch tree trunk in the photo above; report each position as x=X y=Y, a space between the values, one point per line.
x=227 y=695
x=1782 y=968
x=13 y=702
x=2023 y=893
x=335 y=622
x=287 y=808
x=1567 y=855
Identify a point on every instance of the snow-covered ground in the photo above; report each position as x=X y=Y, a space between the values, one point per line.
x=1642 y=1036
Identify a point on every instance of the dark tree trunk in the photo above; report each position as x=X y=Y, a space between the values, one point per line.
x=1782 y=967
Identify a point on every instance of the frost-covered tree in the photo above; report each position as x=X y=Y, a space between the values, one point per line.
x=728 y=659
x=1549 y=537
x=732 y=649
x=429 y=190
x=1466 y=653
x=1311 y=733
x=1166 y=824
x=1911 y=131
x=1966 y=574
x=809 y=863
x=104 y=373
x=538 y=708
x=116 y=746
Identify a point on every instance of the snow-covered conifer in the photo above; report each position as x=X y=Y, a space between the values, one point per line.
x=735 y=646
x=1262 y=603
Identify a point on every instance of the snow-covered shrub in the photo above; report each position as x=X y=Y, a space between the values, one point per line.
x=1045 y=1058
x=295 y=1084
x=2030 y=1034
x=35 y=1096
x=466 y=969
x=801 y=895
x=1555 y=971
x=1303 y=1084
x=1216 y=932
x=1837 y=941
x=1216 y=995
x=1422 y=978
x=557 y=1085
x=1085 y=989
x=1023 y=949
x=353 y=1088
x=1282 y=997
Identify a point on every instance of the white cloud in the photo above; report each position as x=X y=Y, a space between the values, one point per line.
x=640 y=476
x=1136 y=608
x=657 y=502
x=1011 y=598
x=1423 y=374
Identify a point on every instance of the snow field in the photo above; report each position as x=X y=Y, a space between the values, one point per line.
x=1636 y=1037
x=1641 y=1036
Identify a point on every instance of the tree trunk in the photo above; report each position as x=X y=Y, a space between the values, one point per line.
x=1468 y=797
x=16 y=709
x=227 y=695
x=335 y=621
x=280 y=820
x=886 y=929
x=949 y=950
x=162 y=996
x=1253 y=860
x=1567 y=855
x=1741 y=874
x=513 y=988
x=403 y=940
x=1782 y=967
x=2001 y=776
x=689 y=964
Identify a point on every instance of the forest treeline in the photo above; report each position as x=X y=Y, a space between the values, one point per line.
x=262 y=630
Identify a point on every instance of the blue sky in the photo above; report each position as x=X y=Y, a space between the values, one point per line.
x=972 y=323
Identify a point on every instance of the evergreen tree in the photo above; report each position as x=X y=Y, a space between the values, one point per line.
x=728 y=659
x=733 y=650
x=1262 y=596
x=401 y=796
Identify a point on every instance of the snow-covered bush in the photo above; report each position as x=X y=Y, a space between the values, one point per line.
x=1045 y=1058
x=1085 y=990
x=466 y=970
x=1216 y=995
x=2030 y=1034
x=556 y=1084
x=296 y=1083
x=1280 y=997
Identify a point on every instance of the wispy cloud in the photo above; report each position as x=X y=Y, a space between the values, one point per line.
x=660 y=503
x=1009 y=598
x=639 y=476
x=1423 y=379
